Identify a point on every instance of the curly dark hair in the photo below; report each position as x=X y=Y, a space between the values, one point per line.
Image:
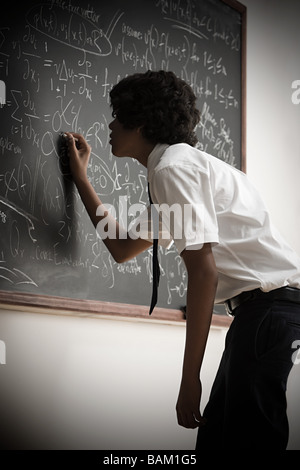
x=159 y=102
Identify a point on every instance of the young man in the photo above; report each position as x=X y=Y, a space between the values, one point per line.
x=232 y=255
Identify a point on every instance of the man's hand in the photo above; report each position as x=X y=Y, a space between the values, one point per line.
x=79 y=153
x=188 y=404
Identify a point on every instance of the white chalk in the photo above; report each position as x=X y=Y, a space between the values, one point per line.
x=65 y=135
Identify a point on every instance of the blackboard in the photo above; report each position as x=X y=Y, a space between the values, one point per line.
x=58 y=61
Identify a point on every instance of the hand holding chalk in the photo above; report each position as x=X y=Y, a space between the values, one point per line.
x=69 y=136
x=79 y=154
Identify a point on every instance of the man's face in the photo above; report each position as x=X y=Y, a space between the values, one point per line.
x=123 y=141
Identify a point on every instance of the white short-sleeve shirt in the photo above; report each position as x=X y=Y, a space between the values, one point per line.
x=201 y=200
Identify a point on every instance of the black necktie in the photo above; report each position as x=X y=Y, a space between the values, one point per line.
x=155 y=263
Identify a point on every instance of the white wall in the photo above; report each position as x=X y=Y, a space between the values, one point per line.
x=273 y=121
x=75 y=382
x=84 y=383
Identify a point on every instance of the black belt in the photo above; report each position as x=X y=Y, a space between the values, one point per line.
x=291 y=294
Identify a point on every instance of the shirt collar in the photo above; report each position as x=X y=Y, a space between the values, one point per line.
x=154 y=158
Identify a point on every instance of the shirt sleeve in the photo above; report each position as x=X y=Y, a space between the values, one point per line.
x=184 y=197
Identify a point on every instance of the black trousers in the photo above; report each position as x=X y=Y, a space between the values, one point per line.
x=247 y=404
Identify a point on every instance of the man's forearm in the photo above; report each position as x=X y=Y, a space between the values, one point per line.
x=115 y=237
x=200 y=302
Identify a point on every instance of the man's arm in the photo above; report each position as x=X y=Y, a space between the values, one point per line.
x=121 y=246
x=202 y=284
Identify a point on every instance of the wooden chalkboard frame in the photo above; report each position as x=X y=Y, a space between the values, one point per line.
x=51 y=304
